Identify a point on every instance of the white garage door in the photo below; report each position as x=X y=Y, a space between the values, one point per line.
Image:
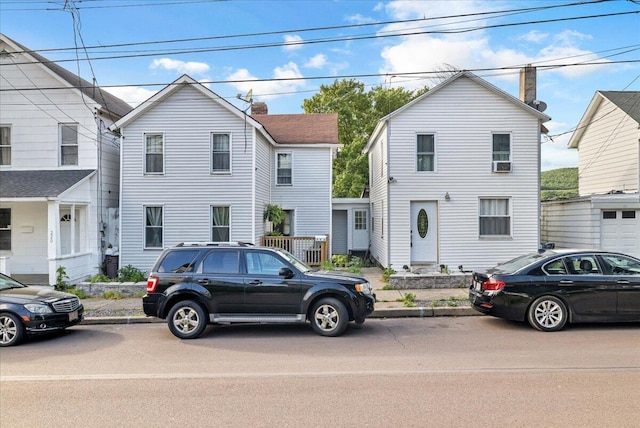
x=620 y=231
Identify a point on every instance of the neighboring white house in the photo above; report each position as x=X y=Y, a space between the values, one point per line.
x=607 y=212
x=59 y=167
x=196 y=168
x=454 y=177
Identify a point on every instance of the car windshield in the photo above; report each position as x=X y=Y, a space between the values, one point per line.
x=300 y=265
x=7 y=283
x=518 y=263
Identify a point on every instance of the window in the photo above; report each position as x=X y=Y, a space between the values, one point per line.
x=68 y=144
x=5 y=229
x=501 y=147
x=425 y=152
x=222 y=261
x=628 y=214
x=285 y=227
x=621 y=265
x=284 y=169
x=608 y=215
x=220 y=224
x=220 y=153
x=582 y=265
x=153 y=227
x=5 y=145
x=154 y=153
x=360 y=220
x=179 y=261
x=495 y=219
x=263 y=263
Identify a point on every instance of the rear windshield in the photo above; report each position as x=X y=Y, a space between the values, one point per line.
x=518 y=263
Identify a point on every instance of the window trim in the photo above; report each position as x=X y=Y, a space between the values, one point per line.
x=211 y=226
x=510 y=134
x=277 y=154
x=61 y=125
x=144 y=153
x=7 y=230
x=434 y=153
x=144 y=226
x=221 y=172
x=6 y=146
x=509 y=200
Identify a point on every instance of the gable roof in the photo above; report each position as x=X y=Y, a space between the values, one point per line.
x=108 y=102
x=315 y=128
x=627 y=101
x=40 y=184
x=463 y=74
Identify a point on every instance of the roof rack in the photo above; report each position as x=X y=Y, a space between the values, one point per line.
x=215 y=244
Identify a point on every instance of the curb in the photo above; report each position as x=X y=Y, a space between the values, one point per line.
x=416 y=312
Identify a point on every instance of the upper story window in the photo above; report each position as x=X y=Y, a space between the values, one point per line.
x=68 y=144
x=220 y=153
x=284 y=169
x=153 y=227
x=5 y=145
x=154 y=153
x=495 y=217
x=501 y=147
x=425 y=152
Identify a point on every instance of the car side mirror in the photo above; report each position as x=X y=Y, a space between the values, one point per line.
x=286 y=272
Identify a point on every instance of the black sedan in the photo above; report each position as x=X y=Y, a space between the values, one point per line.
x=551 y=288
x=29 y=310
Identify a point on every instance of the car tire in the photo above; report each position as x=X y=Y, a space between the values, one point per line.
x=187 y=320
x=329 y=317
x=11 y=329
x=548 y=313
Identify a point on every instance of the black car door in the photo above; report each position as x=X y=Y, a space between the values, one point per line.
x=266 y=292
x=220 y=276
x=625 y=272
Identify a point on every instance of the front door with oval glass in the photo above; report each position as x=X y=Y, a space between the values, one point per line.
x=424 y=232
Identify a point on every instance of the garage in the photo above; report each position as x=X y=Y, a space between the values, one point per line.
x=620 y=231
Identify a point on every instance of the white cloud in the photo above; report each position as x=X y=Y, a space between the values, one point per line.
x=359 y=19
x=317 y=61
x=190 y=67
x=268 y=89
x=292 y=42
x=132 y=95
x=534 y=36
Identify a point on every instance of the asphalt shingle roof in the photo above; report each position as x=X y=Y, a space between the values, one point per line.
x=627 y=101
x=32 y=184
x=313 y=128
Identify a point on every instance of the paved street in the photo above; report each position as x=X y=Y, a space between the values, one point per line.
x=467 y=371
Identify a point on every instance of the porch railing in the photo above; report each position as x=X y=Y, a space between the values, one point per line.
x=311 y=250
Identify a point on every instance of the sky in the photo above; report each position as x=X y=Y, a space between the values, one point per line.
x=283 y=51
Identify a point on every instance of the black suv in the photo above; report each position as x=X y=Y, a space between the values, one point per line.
x=194 y=284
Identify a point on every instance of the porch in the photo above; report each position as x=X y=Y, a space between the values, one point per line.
x=311 y=250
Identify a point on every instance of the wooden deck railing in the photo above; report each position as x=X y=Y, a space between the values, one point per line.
x=308 y=249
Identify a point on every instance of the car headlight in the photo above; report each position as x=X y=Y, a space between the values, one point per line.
x=364 y=288
x=36 y=308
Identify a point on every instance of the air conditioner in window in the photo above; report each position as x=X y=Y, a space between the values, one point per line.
x=501 y=166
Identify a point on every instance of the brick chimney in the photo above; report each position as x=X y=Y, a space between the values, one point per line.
x=259 y=108
x=528 y=84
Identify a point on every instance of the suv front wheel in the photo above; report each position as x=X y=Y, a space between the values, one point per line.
x=187 y=320
x=329 y=317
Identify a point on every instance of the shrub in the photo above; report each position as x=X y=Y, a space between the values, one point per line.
x=112 y=295
x=129 y=273
x=355 y=265
x=386 y=273
x=77 y=292
x=340 y=260
x=409 y=300
x=99 y=278
x=61 y=279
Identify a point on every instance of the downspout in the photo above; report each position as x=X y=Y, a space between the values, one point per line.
x=120 y=192
x=388 y=197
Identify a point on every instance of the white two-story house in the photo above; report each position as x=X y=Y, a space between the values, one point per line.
x=196 y=168
x=607 y=212
x=454 y=178
x=59 y=167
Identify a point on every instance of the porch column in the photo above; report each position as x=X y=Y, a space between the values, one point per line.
x=53 y=238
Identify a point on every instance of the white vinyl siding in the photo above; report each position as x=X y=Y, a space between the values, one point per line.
x=153 y=153
x=68 y=144
x=220 y=153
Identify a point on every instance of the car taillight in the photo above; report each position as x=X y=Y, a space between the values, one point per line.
x=493 y=284
x=152 y=283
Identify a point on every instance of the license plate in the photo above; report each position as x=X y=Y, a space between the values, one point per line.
x=476 y=285
x=73 y=316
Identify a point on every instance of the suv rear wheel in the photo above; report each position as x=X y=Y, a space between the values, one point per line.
x=329 y=317
x=187 y=320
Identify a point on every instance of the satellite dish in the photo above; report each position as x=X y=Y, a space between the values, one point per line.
x=539 y=105
x=247 y=98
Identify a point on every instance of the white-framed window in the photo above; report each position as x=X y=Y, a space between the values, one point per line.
x=5 y=229
x=360 y=220
x=5 y=145
x=153 y=226
x=284 y=168
x=495 y=217
x=425 y=152
x=220 y=224
x=501 y=147
x=154 y=153
x=220 y=153
x=68 y=143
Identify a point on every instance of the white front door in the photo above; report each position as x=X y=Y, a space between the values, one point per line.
x=360 y=229
x=424 y=232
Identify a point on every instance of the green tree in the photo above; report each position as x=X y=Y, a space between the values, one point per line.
x=358 y=114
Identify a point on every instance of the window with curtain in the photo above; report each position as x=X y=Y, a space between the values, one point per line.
x=220 y=230
x=154 y=153
x=68 y=144
x=495 y=219
x=425 y=152
x=284 y=168
x=5 y=145
x=220 y=153
x=153 y=227
x=502 y=147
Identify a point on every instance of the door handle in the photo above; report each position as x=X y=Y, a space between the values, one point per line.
x=255 y=282
x=203 y=281
x=623 y=282
x=566 y=281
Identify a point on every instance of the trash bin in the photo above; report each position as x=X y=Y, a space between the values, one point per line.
x=111 y=263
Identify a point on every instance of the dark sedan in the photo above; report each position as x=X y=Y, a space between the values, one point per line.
x=551 y=288
x=29 y=310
